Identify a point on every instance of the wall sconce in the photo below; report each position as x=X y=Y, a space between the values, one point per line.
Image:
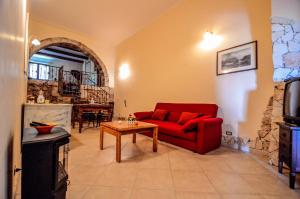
x=36 y=42
x=124 y=71
x=210 y=41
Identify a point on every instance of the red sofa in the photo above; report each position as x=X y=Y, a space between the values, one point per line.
x=206 y=135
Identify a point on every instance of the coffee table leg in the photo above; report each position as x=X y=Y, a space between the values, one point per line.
x=80 y=122
x=101 y=138
x=155 y=135
x=118 y=148
x=134 y=138
x=80 y=126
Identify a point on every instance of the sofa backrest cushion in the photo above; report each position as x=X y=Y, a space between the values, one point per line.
x=206 y=109
x=186 y=116
x=193 y=124
x=159 y=114
x=143 y=115
x=173 y=116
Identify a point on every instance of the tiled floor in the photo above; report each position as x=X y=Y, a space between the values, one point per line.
x=172 y=173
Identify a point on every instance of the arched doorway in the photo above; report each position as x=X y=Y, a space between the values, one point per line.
x=65 y=42
x=54 y=68
x=61 y=72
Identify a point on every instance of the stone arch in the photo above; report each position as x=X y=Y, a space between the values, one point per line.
x=62 y=41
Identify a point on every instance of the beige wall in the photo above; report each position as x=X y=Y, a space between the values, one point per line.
x=168 y=66
x=102 y=48
x=286 y=8
x=12 y=88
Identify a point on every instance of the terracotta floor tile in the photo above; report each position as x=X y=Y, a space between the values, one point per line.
x=100 y=192
x=188 y=163
x=242 y=196
x=226 y=182
x=116 y=176
x=212 y=163
x=269 y=185
x=172 y=172
x=152 y=194
x=85 y=174
x=247 y=166
x=76 y=191
x=147 y=143
x=154 y=161
x=191 y=181
x=196 y=195
x=153 y=179
x=280 y=197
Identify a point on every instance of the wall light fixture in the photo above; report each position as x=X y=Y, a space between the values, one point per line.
x=124 y=71
x=210 y=41
x=36 y=42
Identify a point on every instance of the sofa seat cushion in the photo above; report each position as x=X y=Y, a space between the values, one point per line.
x=173 y=129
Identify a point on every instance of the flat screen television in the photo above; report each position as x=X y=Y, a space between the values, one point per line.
x=291 y=101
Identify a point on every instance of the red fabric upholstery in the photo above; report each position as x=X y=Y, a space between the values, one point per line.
x=173 y=129
x=174 y=140
x=193 y=124
x=173 y=116
x=159 y=114
x=209 y=135
x=206 y=136
x=205 y=109
x=143 y=115
x=186 y=116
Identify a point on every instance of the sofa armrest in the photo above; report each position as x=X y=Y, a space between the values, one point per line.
x=143 y=115
x=209 y=135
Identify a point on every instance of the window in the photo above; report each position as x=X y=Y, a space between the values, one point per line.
x=33 y=69
x=42 y=71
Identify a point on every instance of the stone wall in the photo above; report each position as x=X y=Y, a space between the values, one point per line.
x=286 y=60
x=262 y=142
x=268 y=134
x=50 y=89
x=286 y=48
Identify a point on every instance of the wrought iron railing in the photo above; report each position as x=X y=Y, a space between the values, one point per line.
x=80 y=84
x=47 y=72
x=101 y=95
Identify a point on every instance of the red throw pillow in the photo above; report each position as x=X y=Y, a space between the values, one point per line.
x=159 y=114
x=173 y=116
x=193 y=124
x=186 y=116
x=143 y=115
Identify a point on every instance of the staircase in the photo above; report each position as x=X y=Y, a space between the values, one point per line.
x=68 y=83
x=101 y=95
x=83 y=85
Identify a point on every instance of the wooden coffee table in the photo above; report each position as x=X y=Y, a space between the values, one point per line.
x=123 y=128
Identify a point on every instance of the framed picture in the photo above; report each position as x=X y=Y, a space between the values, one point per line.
x=237 y=59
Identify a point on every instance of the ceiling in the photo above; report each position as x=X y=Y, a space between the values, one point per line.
x=52 y=53
x=63 y=54
x=112 y=20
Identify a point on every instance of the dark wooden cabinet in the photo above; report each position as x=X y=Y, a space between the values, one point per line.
x=44 y=164
x=289 y=150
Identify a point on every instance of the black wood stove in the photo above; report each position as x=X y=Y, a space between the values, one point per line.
x=45 y=164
